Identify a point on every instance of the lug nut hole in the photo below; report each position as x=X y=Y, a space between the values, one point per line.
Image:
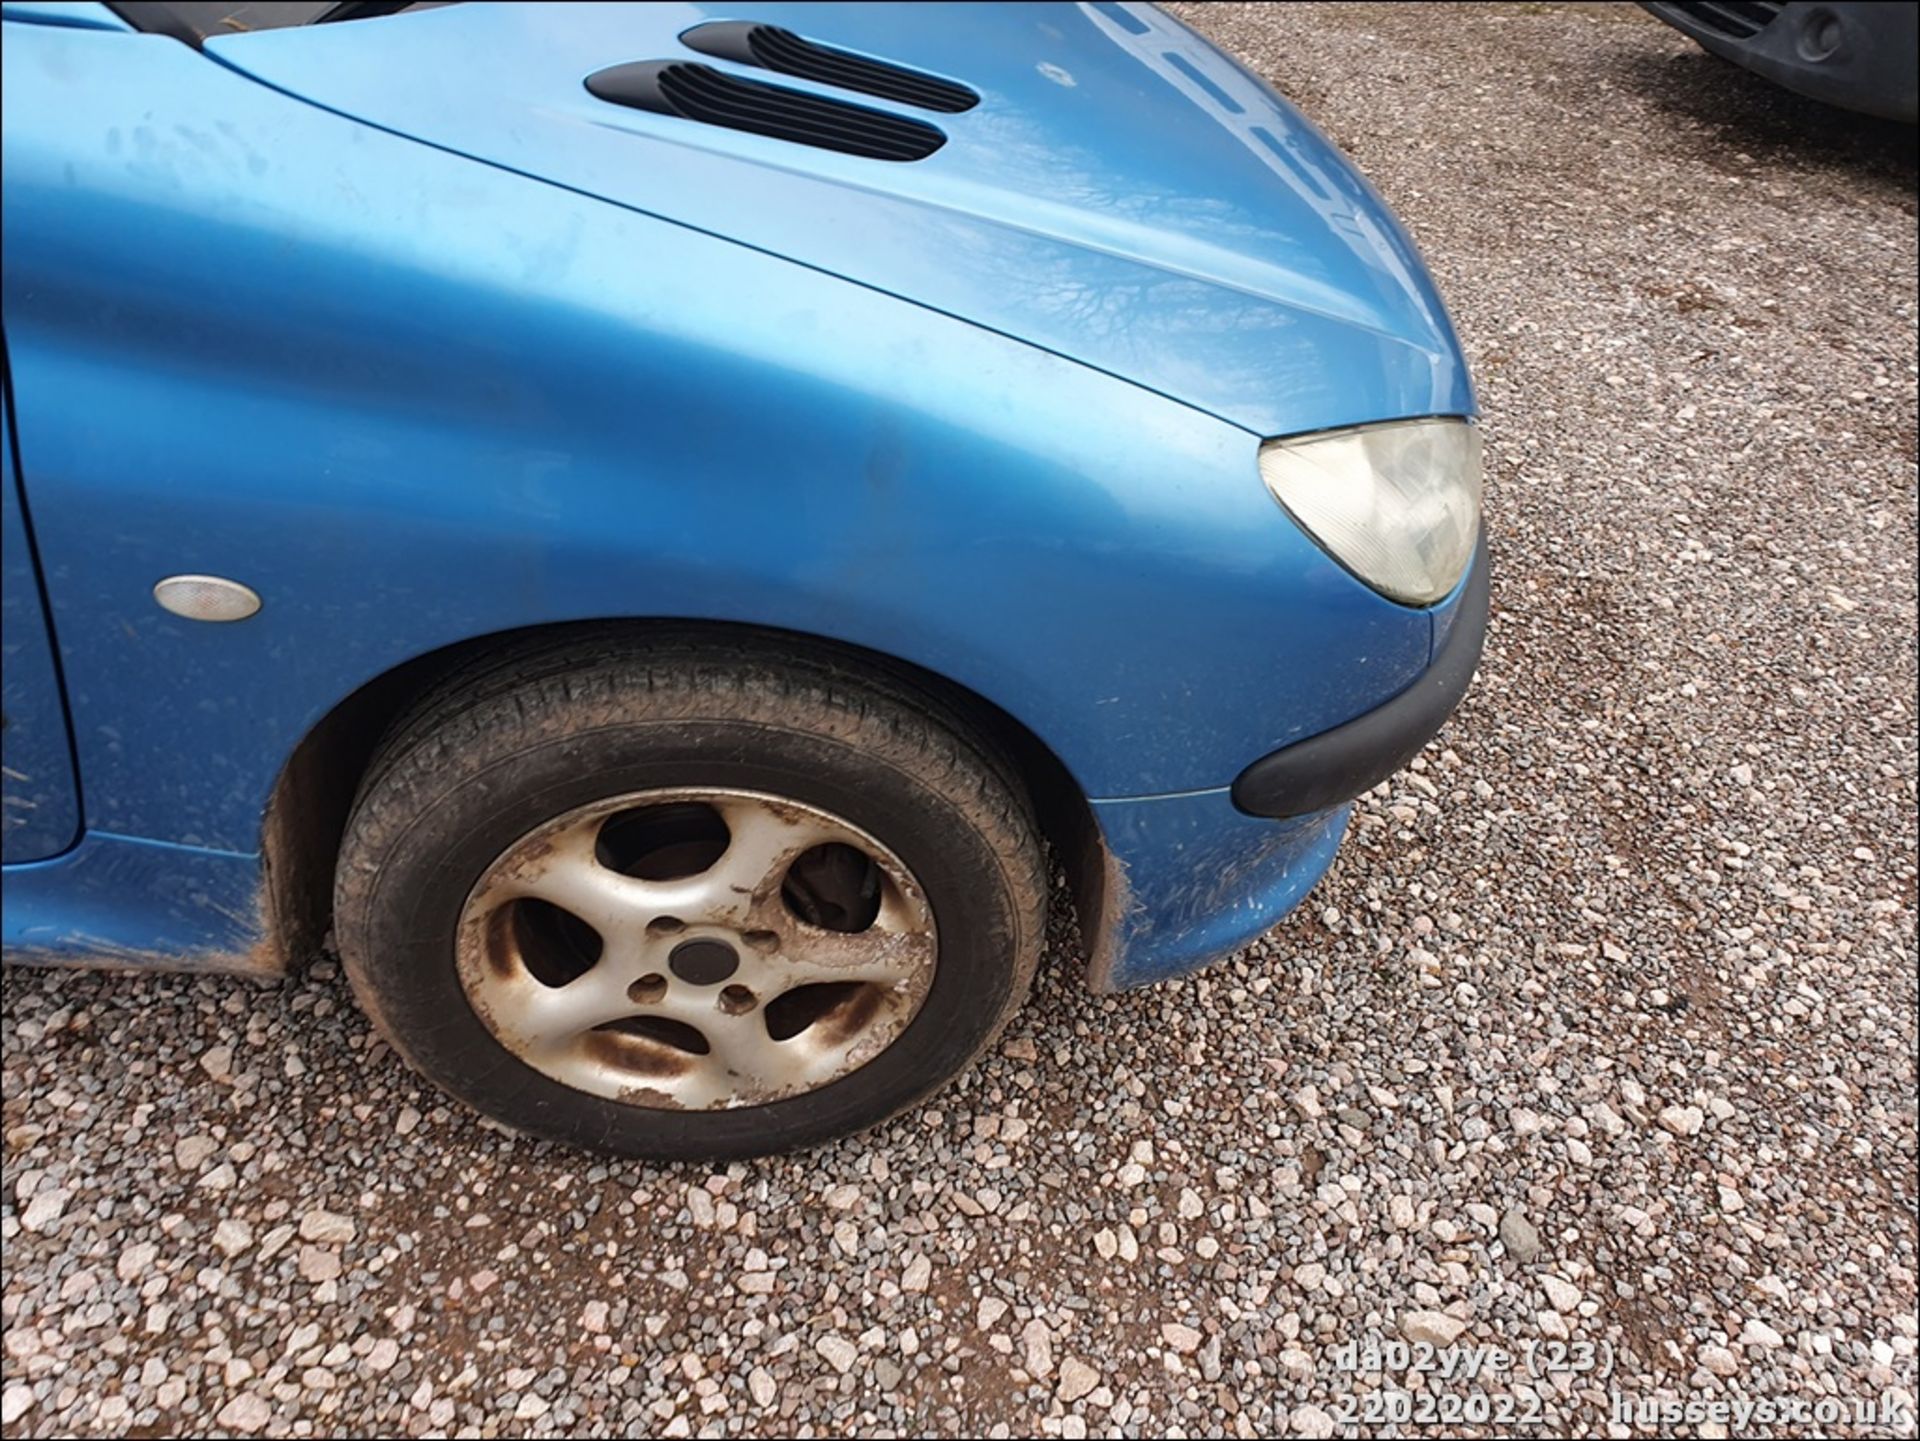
x=648 y=990
x=736 y=1000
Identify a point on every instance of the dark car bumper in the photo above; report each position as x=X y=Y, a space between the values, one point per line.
x=1335 y=766
x=1856 y=55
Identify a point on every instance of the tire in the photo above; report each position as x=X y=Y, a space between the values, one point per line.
x=532 y=774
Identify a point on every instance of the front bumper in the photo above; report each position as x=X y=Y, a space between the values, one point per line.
x=1353 y=758
x=1844 y=52
x=1190 y=878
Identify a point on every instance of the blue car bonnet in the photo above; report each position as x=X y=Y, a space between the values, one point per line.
x=1123 y=194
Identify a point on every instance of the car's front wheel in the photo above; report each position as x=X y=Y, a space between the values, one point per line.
x=705 y=899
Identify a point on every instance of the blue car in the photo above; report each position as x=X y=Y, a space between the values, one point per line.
x=653 y=527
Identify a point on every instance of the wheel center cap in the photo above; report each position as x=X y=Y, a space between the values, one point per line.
x=704 y=962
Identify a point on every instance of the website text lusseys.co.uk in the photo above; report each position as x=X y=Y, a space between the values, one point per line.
x=1464 y=1385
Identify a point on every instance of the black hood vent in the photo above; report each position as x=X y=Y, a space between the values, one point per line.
x=713 y=97
x=771 y=48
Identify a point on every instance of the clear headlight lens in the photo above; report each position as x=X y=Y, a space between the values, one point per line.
x=1398 y=504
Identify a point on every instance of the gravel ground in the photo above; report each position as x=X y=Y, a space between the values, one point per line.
x=1602 y=1029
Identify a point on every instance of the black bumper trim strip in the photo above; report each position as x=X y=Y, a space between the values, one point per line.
x=1322 y=771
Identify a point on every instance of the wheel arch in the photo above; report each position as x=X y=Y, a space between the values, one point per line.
x=313 y=795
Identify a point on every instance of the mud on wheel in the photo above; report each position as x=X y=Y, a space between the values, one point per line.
x=702 y=899
x=697 y=949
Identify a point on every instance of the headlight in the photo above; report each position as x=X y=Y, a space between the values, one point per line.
x=1397 y=504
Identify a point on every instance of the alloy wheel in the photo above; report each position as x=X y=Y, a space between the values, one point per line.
x=697 y=949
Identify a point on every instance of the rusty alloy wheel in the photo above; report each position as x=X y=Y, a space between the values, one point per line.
x=630 y=893
x=696 y=949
